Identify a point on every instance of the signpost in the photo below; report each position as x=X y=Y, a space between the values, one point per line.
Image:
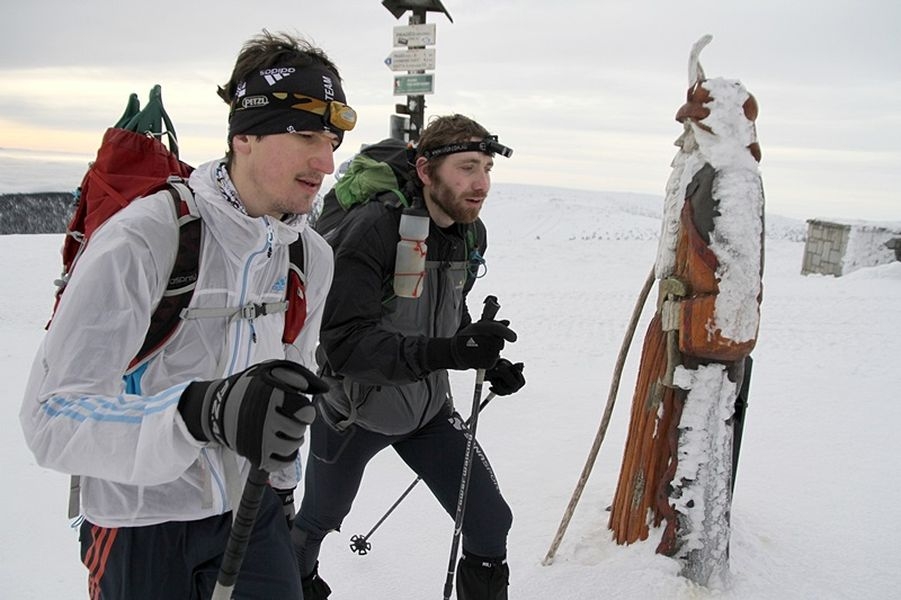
x=414 y=35
x=416 y=60
x=420 y=83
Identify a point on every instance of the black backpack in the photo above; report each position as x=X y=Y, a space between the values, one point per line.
x=383 y=169
x=383 y=172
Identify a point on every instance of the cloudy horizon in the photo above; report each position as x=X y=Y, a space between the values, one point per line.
x=585 y=96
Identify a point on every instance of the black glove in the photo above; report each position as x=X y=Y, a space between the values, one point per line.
x=287 y=499
x=261 y=413
x=506 y=378
x=476 y=346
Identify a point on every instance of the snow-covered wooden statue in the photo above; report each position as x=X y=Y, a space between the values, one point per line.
x=688 y=407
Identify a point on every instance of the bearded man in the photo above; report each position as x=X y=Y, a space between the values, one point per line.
x=387 y=357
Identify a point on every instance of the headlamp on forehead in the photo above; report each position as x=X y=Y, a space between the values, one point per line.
x=488 y=145
x=334 y=114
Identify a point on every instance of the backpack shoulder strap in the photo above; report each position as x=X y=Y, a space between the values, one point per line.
x=182 y=279
x=295 y=293
x=476 y=242
x=392 y=198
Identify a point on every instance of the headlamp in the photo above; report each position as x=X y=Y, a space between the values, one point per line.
x=490 y=145
x=334 y=114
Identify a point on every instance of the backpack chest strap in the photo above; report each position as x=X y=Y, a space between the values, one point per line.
x=249 y=311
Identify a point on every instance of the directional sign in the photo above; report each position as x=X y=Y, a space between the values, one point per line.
x=414 y=35
x=414 y=85
x=418 y=59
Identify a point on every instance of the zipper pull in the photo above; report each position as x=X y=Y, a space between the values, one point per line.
x=270 y=236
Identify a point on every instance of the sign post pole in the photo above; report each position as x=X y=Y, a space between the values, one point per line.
x=416 y=60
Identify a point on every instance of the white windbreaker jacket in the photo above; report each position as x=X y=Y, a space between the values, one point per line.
x=126 y=439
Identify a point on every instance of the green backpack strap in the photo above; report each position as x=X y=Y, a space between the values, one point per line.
x=154 y=120
x=131 y=110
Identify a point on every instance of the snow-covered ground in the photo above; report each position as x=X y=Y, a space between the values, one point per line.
x=817 y=480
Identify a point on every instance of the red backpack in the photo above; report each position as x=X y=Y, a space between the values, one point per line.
x=132 y=162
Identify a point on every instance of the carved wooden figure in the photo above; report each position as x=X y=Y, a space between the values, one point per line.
x=688 y=406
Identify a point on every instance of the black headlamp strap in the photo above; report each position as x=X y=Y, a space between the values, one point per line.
x=489 y=146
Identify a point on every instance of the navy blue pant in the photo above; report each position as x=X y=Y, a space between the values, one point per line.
x=435 y=452
x=181 y=559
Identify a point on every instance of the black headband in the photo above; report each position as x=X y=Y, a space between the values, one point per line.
x=489 y=146
x=289 y=99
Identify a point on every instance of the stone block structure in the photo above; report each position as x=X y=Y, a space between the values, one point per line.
x=838 y=248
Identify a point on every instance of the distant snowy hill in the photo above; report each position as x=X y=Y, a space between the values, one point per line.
x=557 y=213
x=560 y=213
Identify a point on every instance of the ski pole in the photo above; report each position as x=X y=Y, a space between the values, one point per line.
x=238 y=538
x=360 y=543
x=488 y=313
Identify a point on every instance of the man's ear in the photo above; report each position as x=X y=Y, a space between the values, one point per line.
x=241 y=144
x=422 y=171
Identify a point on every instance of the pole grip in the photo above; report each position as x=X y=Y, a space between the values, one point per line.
x=489 y=311
x=242 y=527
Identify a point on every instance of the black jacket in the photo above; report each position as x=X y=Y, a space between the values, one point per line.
x=373 y=343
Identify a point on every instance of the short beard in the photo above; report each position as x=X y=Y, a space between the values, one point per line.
x=444 y=198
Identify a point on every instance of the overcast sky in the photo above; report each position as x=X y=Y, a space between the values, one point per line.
x=584 y=91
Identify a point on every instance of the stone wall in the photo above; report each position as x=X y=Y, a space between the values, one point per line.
x=834 y=248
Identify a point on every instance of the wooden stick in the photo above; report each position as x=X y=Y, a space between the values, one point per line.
x=605 y=420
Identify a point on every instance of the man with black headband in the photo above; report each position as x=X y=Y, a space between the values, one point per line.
x=163 y=451
x=387 y=357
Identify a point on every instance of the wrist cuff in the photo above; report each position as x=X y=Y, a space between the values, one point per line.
x=190 y=406
x=439 y=354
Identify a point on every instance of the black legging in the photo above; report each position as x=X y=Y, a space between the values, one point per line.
x=434 y=451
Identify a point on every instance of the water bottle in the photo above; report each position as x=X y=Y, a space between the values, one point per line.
x=409 y=267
